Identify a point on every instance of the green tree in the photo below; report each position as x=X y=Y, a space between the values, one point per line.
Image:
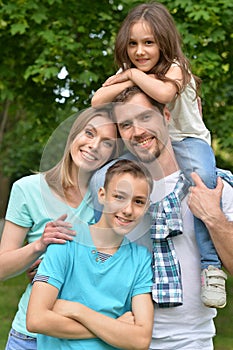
x=207 y=33
x=39 y=38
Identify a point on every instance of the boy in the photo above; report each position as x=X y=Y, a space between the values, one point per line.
x=105 y=279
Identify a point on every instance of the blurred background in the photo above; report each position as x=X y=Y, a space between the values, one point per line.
x=55 y=54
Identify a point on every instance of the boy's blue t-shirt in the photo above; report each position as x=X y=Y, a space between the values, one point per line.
x=107 y=287
x=32 y=204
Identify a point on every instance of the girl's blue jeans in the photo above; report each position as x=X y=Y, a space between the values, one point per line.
x=19 y=341
x=195 y=155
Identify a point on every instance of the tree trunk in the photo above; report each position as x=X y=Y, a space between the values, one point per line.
x=4 y=194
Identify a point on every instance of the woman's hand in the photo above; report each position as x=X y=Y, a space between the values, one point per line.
x=31 y=271
x=57 y=231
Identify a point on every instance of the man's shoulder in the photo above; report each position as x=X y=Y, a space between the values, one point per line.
x=98 y=177
x=126 y=155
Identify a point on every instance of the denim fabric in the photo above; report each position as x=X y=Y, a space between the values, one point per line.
x=19 y=341
x=193 y=154
x=196 y=155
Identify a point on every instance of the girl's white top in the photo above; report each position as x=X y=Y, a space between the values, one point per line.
x=186 y=120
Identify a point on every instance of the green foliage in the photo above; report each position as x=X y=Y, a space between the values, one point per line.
x=40 y=37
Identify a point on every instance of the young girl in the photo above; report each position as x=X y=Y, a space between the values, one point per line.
x=61 y=192
x=149 y=55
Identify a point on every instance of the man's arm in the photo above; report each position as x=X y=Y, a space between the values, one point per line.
x=117 y=332
x=205 y=204
x=42 y=319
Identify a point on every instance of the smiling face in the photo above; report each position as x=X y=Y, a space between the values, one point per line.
x=142 y=127
x=142 y=49
x=125 y=200
x=94 y=145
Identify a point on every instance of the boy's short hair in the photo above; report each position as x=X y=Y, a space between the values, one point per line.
x=125 y=166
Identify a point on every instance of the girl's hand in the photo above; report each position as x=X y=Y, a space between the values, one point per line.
x=57 y=231
x=118 y=78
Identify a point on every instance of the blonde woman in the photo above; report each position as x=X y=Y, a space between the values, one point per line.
x=60 y=195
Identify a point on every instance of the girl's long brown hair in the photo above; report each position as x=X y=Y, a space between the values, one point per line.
x=166 y=36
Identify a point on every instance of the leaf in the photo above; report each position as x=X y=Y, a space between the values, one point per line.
x=38 y=17
x=19 y=28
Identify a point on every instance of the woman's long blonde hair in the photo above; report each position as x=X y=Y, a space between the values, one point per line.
x=59 y=177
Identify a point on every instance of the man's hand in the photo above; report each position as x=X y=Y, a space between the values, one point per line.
x=204 y=202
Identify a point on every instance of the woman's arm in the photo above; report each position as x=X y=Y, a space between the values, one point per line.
x=108 y=93
x=115 y=331
x=161 y=91
x=15 y=257
x=42 y=319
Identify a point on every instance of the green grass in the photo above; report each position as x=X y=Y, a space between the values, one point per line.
x=11 y=290
x=224 y=322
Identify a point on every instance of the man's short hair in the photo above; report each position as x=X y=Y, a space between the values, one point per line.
x=129 y=92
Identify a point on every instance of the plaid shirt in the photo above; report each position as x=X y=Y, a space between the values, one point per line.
x=225 y=175
x=166 y=223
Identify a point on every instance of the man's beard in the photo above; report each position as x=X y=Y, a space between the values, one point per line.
x=149 y=157
x=146 y=156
